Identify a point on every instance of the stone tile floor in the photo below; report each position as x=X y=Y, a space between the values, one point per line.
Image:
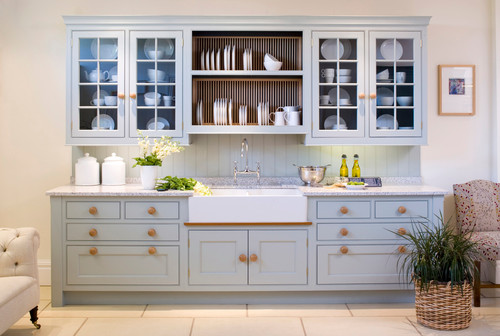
x=392 y=319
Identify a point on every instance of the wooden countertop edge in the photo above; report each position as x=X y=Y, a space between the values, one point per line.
x=245 y=224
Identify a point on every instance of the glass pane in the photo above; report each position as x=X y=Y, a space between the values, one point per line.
x=328 y=95
x=350 y=49
x=88 y=72
x=107 y=119
x=389 y=49
x=165 y=49
x=329 y=120
x=108 y=48
x=385 y=119
x=407 y=48
x=146 y=72
x=87 y=95
x=385 y=72
x=330 y=49
x=327 y=72
x=350 y=116
x=109 y=93
x=166 y=119
x=347 y=73
x=85 y=48
x=107 y=69
x=86 y=117
x=146 y=119
x=405 y=119
x=404 y=95
x=140 y=49
x=168 y=95
x=147 y=96
x=166 y=72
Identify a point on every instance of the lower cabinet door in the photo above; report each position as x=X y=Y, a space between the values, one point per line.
x=214 y=257
x=358 y=264
x=123 y=265
x=277 y=257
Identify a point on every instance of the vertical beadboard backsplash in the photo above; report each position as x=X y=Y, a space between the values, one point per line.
x=213 y=156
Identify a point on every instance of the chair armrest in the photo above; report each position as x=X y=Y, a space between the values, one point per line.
x=18 y=252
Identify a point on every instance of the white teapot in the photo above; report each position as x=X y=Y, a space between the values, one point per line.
x=94 y=75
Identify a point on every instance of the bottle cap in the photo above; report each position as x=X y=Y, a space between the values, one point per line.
x=356 y=156
x=344 y=156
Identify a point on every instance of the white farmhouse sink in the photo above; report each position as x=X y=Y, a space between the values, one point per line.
x=249 y=206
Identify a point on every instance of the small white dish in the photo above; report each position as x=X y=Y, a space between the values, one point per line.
x=161 y=123
x=355 y=186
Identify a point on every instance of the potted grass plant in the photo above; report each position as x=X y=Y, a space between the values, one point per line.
x=440 y=262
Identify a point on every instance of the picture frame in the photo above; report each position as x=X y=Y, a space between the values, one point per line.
x=457 y=90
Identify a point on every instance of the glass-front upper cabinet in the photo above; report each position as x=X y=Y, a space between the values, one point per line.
x=395 y=84
x=338 y=83
x=97 y=72
x=155 y=82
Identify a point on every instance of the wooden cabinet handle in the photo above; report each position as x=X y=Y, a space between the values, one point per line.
x=151 y=210
x=93 y=232
x=133 y=95
x=121 y=95
x=362 y=96
x=402 y=231
x=401 y=209
x=344 y=231
x=373 y=95
x=152 y=250
x=402 y=249
x=344 y=210
x=344 y=250
x=151 y=232
x=243 y=258
x=253 y=258
x=93 y=250
x=92 y=210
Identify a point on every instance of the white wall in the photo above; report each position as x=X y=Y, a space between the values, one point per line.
x=32 y=87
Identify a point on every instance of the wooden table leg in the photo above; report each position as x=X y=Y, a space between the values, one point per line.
x=477 y=284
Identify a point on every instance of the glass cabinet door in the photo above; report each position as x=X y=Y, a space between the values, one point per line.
x=338 y=82
x=395 y=83
x=155 y=83
x=97 y=83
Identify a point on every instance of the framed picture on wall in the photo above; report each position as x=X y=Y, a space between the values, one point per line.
x=457 y=90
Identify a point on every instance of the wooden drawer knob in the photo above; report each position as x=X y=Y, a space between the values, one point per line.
x=151 y=232
x=402 y=249
x=402 y=231
x=93 y=232
x=151 y=210
x=401 y=209
x=121 y=95
x=243 y=258
x=93 y=250
x=373 y=95
x=344 y=210
x=344 y=231
x=92 y=210
x=253 y=258
x=362 y=96
x=344 y=250
x=133 y=95
x=152 y=250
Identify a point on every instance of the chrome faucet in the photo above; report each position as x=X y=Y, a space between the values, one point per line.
x=246 y=171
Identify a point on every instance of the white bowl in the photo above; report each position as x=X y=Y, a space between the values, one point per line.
x=344 y=101
x=404 y=100
x=344 y=79
x=155 y=54
x=152 y=95
x=386 y=101
x=344 y=72
x=273 y=66
x=270 y=58
x=151 y=98
x=383 y=74
x=160 y=75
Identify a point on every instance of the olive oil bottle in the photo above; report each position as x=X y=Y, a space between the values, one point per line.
x=344 y=171
x=356 y=171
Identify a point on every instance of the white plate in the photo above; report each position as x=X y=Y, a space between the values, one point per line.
x=162 y=123
x=212 y=60
x=332 y=120
x=106 y=122
x=259 y=114
x=347 y=48
x=354 y=187
x=109 y=48
x=250 y=60
x=207 y=60
x=202 y=60
x=333 y=95
x=384 y=80
x=385 y=121
x=387 y=49
x=165 y=45
x=230 y=112
x=233 y=57
x=217 y=66
x=329 y=49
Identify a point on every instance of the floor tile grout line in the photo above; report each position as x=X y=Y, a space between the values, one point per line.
x=144 y=311
x=414 y=326
x=81 y=326
x=349 y=309
x=192 y=326
x=247 y=309
x=303 y=327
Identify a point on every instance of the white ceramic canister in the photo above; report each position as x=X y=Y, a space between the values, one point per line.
x=113 y=170
x=87 y=171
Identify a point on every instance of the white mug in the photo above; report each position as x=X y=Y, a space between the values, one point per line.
x=324 y=100
x=168 y=100
x=400 y=77
x=328 y=74
x=114 y=78
x=279 y=117
x=292 y=118
x=110 y=100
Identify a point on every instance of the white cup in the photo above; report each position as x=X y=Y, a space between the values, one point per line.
x=344 y=101
x=324 y=100
x=97 y=102
x=151 y=98
x=292 y=118
x=400 y=77
x=328 y=74
x=160 y=75
x=279 y=117
x=114 y=78
x=168 y=100
x=110 y=100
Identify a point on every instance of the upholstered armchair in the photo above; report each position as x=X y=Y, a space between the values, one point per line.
x=478 y=211
x=19 y=288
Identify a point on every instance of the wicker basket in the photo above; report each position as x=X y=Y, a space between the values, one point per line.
x=443 y=308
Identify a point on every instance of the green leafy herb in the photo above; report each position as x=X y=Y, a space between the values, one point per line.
x=175 y=183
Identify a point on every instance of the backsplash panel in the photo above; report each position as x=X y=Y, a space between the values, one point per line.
x=213 y=155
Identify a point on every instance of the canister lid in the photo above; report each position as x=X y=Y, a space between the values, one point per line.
x=113 y=158
x=87 y=159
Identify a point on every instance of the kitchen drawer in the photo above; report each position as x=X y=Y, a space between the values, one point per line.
x=343 y=209
x=152 y=210
x=361 y=231
x=401 y=209
x=362 y=264
x=96 y=232
x=100 y=210
x=122 y=265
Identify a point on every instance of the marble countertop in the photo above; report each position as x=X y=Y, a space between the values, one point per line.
x=135 y=190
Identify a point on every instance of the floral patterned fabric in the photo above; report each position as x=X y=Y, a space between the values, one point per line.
x=478 y=210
